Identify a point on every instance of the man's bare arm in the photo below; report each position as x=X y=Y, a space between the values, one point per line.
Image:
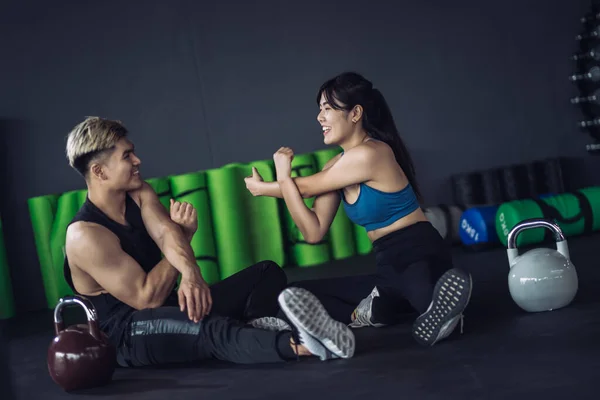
x=193 y=291
x=167 y=234
x=97 y=251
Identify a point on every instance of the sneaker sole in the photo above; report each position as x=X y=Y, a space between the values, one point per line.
x=270 y=324
x=306 y=311
x=451 y=296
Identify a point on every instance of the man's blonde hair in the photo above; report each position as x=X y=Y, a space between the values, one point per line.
x=90 y=138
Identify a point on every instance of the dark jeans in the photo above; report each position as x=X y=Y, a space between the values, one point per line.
x=165 y=335
x=409 y=262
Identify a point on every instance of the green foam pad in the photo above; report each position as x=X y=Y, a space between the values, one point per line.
x=247 y=229
x=192 y=188
x=564 y=209
x=50 y=216
x=162 y=187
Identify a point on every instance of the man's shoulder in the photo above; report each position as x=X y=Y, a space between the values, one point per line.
x=142 y=193
x=85 y=233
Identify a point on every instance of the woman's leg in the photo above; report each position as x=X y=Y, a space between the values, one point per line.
x=438 y=293
x=341 y=295
x=415 y=269
x=251 y=293
x=450 y=297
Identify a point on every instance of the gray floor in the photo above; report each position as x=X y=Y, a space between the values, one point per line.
x=504 y=353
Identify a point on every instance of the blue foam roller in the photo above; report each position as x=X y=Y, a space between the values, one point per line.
x=478 y=225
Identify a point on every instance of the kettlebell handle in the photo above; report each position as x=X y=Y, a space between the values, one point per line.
x=87 y=306
x=559 y=237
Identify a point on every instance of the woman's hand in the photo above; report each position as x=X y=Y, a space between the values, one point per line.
x=253 y=183
x=283 y=163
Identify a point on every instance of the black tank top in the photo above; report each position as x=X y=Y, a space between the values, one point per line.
x=113 y=314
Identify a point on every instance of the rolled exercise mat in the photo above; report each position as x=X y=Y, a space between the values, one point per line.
x=41 y=211
x=50 y=216
x=162 y=187
x=446 y=219
x=247 y=229
x=536 y=186
x=192 y=188
x=7 y=304
x=575 y=212
x=266 y=225
x=478 y=226
x=550 y=175
x=492 y=187
x=515 y=182
x=67 y=206
x=230 y=224
x=468 y=189
x=300 y=251
x=341 y=231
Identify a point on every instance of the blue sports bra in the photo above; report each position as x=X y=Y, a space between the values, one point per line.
x=375 y=209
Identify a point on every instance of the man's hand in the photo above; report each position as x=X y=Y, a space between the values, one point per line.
x=194 y=294
x=283 y=163
x=253 y=183
x=185 y=215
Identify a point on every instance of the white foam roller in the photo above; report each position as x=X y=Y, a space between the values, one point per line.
x=446 y=224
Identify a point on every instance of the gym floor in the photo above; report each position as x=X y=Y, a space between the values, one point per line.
x=503 y=353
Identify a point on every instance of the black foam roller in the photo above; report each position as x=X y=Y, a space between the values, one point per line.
x=467 y=189
x=492 y=186
x=553 y=176
x=515 y=182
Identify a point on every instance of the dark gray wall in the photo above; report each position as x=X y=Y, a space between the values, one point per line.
x=201 y=84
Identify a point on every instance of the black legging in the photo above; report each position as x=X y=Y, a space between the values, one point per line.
x=165 y=335
x=409 y=262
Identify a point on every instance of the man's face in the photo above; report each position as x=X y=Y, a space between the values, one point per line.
x=120 y=171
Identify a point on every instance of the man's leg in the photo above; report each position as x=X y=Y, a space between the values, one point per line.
x=251 y=293
x=165 y=335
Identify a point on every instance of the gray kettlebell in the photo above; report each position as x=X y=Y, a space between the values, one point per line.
x=541 y=279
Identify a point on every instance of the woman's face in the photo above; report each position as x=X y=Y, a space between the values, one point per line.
x=336 y=124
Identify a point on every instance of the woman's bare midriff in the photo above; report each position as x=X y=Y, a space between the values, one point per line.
x=410 y=219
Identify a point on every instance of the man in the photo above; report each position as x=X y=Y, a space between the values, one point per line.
x=113 y=257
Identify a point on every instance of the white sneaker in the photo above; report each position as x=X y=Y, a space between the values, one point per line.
x=363 y=314
x=451 y=296
x=323 y=336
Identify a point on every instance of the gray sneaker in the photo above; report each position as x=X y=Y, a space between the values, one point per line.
x=270 y=324
x=363 y=314
x=451 y=296
x=323 y=336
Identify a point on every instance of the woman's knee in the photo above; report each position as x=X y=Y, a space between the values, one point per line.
x=274 y=272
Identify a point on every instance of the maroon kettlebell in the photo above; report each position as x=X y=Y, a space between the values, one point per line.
x=80 y=356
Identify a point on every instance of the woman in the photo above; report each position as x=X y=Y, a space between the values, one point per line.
x=375 y=179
